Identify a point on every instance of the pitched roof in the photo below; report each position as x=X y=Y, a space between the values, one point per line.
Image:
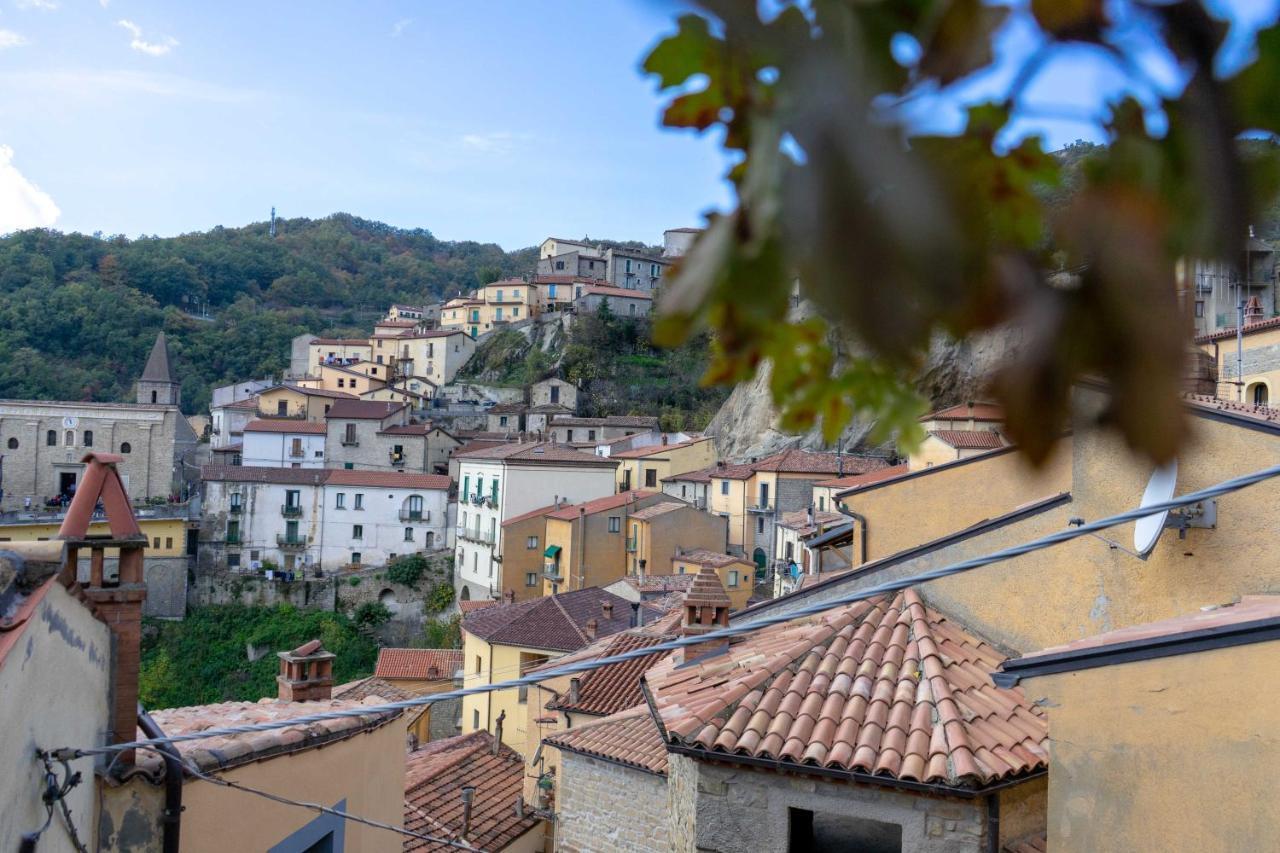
x=964 y=411
x=311 y=392
x=616 y=687
x=539 y=452
x=549 y=409
x=798 y=520
x=1249 y=329
x=465 y=607
x=507 y=409
x=703 y=557
x=661 y=508
x=852 y=481
x=886 y=687
x=702 y=475
x=429 y=333
x=258 y=474
x=286 y=426
x=354 y=410
x=388 y=479
x=1257 y=413
x=631 y=420
x=556 y=622
x=604 y=504
x=533 y=513
x=372 y=686
x=396 y=324
x=418 y=664
x=961 y=439
x=219 y=753
x=157 y=368
x=650 y=450
x=706 y=590
x=630 y=738
x=660 y=583
x=614 y=292
x=433 y=781
x=796 y=461
x=340 y=342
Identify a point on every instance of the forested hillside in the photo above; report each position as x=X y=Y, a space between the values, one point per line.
x=78 y=313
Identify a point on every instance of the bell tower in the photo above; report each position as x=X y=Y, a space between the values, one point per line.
x=157 y=387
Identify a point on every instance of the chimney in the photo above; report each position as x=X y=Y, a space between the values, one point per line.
x=635 y=614
x=118 y=600
x=839 y=461
x=607 y=607
x=706 y=608
x=575 y=690
x=468 y=795
x=306 y=673
x=808 y=516
x=497 y=732
x=592 y=627
x=509 y=596
x=1252 y=311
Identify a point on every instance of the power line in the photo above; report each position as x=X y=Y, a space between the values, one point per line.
x=1225 y=487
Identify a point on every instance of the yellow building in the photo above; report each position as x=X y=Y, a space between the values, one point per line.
x=355 y=379
x=462 y=314
x=736 y=574
x=658 y=532
x=431 y=356
x=647 y=467
x=826 y=492
x=1255 y=378
x=523 y=542
x=586 y=543
x=166 y=537
x=504 y=640
x=295 y=401
x=336 y=351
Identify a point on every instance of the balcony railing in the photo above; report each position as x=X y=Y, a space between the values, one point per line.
x=631 y=544
x=473 y=535
x=291 y=543
x=350 y=442
x=297 y=453
x=397 y=459
x=232 y=539
x=236 y=509
x=291 y=510
x=763 y=506
x=415 y=515
x=551 y=571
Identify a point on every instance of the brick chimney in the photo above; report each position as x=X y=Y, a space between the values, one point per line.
x=117 y=600
x=306 y=673
x=509 y=596
x=1252 y=311
x=607 y=607
x=706 y=608
x=592 y=628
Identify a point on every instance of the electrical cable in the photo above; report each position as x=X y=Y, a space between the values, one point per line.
x=1225 y=487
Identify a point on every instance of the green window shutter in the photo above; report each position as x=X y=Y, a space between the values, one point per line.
x=466 y=485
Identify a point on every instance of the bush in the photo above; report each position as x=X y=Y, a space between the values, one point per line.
x=443 y=633
x=371 y=616
x=407 y=570
x=353 y=581
x=440 y=598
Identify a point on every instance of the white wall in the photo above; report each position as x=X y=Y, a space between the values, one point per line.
x=275 y=450
x=383 y=531
x=262 y=521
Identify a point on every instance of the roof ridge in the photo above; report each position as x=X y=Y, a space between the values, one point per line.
x=582 y=634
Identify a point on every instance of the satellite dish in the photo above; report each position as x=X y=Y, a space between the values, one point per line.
x=1159 y=489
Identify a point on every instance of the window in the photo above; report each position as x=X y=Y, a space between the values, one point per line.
x=628 y=266
x=1199 y=308
x=789 y=550
x=233 y=531
x=653 y=270
x=357 y=531
x=255 y=555
x=359 y=501
x=156 y=543
x=1260 y=395
x=760 y=524
x=650 y=478
x=615 y=523
x=125 y=447
x=356 y=558
x=531 y=543
x=551 y=291
x=475 y=718
x=559 y=266
x=69 y=438
x=233 y=561
x=531 y=579
x=342 y=383
x=822 y=504
x=13 y=444
x=733 y=577
x=555 y=393
x=51 y=438
x=502 y=420
x=168 y=541
x=568 y=435
x=466 y=487
x=515 y=311
x=153 y=397
x=408 y=534
x=235 y=502
x=292 y=498
x=724 y=487
x=493 y=491
x=477 y=664
x=349 y=434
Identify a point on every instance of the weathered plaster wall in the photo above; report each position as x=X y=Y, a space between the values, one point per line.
x=604 y=806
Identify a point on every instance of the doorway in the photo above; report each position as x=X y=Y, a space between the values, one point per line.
x=67 y=483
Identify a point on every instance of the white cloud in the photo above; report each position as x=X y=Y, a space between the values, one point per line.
x=496 y=142
x=151 y=48
x=47 y=5
x=398 y=28
x=8 y=38
x=22 y=203
x=104 y=3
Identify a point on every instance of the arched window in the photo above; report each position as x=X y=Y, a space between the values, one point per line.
x=1260 y=397
x=88 y=438
x=68 y=438
x=153 y=396
x=413 y=508
x=13 y=444
x=125 y=447
x=51 y=438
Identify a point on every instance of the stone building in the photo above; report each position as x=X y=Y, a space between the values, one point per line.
x=42 y=442
x=554 y=392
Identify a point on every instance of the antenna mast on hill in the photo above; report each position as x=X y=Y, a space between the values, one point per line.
x=273 y=221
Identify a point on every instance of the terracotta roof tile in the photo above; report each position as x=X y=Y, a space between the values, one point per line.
x=372 y=686
x=977 y=439
x=1249 y=329
x=313 y=392
x=572 y=511
x=798 y=520
x=703 y=557
x=796 y=461
x=258 y=474
x=347 y=342
x=465 y=607
x=654 y=449
x=660 y=508
x=616 y=687
x=630 y=738
x=964 y=411
x=883 y=687
x=852 y=481
x=615 y=292
x=1261 y=413
x=533 y=513
x=418 y=664
x=434 y=778
x=554 y=622
x=286 y=426
x=707 y=590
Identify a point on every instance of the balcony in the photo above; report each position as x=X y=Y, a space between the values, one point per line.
x=350 y=442
x=763 y=506
x=291 y=543
x=285 y=416
x=297 y=453
x=473 y=535
x=291 y=510
x=415 y=515
x=631 y=544
x=551 y=571
x=232 y=539
x=235 y=509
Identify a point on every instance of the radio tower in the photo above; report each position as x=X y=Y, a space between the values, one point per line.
x=273 y=221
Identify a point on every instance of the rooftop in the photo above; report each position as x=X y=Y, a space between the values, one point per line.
x=354 y=410
x=372 y=686
x=286 y=426
x=572 y=511
x=798 y=520
x=434 y=778
x=533 y=513
x=615 y=687
x=976 y=411
x=258 y=474
x=1257 y=413
x=978 y=439
x=539 y=453
x=553 y=622
x=388 y=479
x=630 y=738
x=157 y=368
x=653 y=449
x=1249 y=329
x=418 y=664
x=887 y=688
x=341 y=342
x=852 y=481
x=703 y=557
x=311 y=392
x=661 y=508
x=615 y=292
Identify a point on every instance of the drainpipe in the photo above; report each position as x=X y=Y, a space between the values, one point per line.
x=172 y=816
x=993 y=822
x=582 y=547
x=862 y=519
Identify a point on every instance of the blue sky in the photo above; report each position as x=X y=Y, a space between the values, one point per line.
x=494 y=121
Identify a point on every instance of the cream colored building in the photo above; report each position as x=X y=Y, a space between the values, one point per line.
x=336 y=351
x=1254 y=379
x=433 y=356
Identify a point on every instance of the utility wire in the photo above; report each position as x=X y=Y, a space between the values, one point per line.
x=1225 y=487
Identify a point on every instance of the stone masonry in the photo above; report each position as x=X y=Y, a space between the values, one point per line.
x=609 y=807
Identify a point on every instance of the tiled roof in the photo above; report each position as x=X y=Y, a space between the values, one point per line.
x=363 y=410
x=218 y=753
x=702 y=475
x=345 y=342
x=616 y=687
x=631 y=421
x=655 y=510
x=653 y=449
x=1249 y=329
x=706 y=590
x=433 y=781
x=507 y=409
x=556 y=622
x=429 y=333
x=371 y=686
x=466 y=607
x=703 y=557
x=246 y=403
x=549 y=409
x=286 y=426
x=614 y=292
x=539 y=453
x=630 y=738
x=852 y=481
x=796 y=461
x=396 y=324
x=388 y=479
x=228 y=448
x=978 y=412
x=1259 y=413
x=313 y=392
x=731 y=471
x=418 y=664
x=533 y=513
x=660 y=583
x=572 y=511
x=887 y=687
x=256 y=474
x=979 y=439
x=407 y=429
x=798 y=520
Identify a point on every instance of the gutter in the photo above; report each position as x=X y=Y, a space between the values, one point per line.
x=173 y=780
x=866 y=530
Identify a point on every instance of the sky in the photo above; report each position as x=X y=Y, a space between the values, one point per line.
x=498 y=121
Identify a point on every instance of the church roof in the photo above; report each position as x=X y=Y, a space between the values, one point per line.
x=157 y=369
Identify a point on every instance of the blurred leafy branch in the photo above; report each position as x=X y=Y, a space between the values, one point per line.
x=900 y=238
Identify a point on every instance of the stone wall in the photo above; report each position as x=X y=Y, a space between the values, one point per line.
x=605 y=806
x=744 y=809
x=166 y=579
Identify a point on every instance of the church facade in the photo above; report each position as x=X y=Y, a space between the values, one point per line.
x=42 y=442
